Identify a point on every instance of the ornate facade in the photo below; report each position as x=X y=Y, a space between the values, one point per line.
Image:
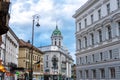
x=9 y=54
x=98 y=40
x=57 y=60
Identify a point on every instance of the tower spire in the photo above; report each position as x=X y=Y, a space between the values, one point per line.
x=56 y=25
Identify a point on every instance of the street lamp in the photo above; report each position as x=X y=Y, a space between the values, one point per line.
x=35 y=17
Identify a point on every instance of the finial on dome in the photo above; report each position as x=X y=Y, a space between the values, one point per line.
x=56 y=25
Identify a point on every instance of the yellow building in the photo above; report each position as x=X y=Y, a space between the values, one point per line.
x=24 y=59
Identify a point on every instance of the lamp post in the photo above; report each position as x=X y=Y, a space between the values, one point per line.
x=32 y=48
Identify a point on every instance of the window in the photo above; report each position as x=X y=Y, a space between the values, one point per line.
x=112 y=72
x=80 y=60
x=99 y=13
x=85 y=22
x=101 y=56
x=92 y=38
x=85 y=41
x=94 y=74
x=110 y=53
x=118 y=3
x=47 y=57
x=102 y=72
x=55 y=42
x=86 y=73
x=80 y=74
x=79 y=41
x=100 y=35
x=93 y=57
x=79 y=26
x=91 y=18
x=108 y=8
x=109 y=32
x=46 y=64
x=86 y=59
x=119 y=27
x=59 y=43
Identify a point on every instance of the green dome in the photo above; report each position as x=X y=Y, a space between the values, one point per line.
x=56 y=32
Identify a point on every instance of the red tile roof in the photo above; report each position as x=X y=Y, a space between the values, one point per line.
x=23 y=44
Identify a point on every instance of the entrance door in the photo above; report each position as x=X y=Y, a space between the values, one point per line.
x=55 y=77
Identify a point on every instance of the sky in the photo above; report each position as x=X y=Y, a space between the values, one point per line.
x=51 y=12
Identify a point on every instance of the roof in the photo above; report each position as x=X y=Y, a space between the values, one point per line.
x=23 y=44
x=56 y=32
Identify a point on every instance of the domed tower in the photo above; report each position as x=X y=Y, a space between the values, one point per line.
x=56 y=37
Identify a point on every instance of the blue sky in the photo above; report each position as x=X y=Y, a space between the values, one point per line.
x=50 y=11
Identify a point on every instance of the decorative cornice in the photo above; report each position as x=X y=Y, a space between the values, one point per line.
x=100 y=47
x=84 y=7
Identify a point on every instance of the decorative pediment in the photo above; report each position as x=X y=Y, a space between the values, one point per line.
x=97 y=26
x=106 y=21
x=116 y=17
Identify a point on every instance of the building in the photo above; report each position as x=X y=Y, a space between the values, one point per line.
x=24 y=60
x=4 y=16
x=4 y=19
x=74 y=71
x=57 y=60
x=9 y=53
x=98 y=40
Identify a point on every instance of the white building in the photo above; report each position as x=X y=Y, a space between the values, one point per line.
x=10 y=51
x=98 y=40
x=57 y=60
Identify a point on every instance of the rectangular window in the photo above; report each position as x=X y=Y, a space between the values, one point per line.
x=79 y=44
x=119 y=27
x=85 y=41
x=94 y=74
x=80 y=74
x=92 y=38
x=91 y=18
x=93 y=57
x=110 y=53
x=109 y=32
x=80 y=60
x=112 y=73
x=85 y=22
x=101 y=56
x=118 y=3
x=87 y=74
x=108 y=8
x=79 y=26
x=46 y=64
x=46 y=57
x=100 y=35
x=99 y=13
x=102 y=72
x=86 y=59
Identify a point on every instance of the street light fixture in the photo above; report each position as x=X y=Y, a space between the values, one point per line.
x=35 y=17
